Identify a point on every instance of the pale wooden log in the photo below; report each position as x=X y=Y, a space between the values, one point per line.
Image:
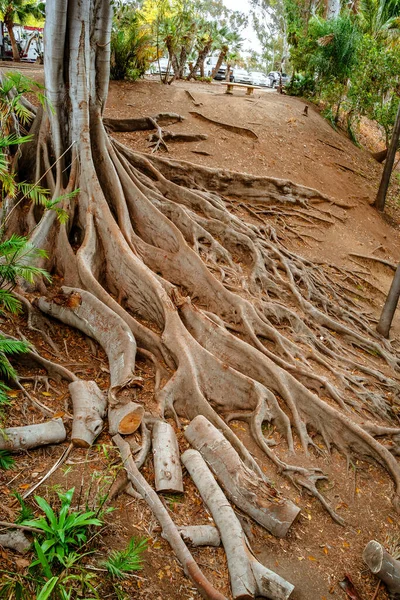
x=241 y=485
x=15 y=540
x=200 y=535
x=125 y=419
x=169 y=529
x=383 y=566
x=89 y=408
x=167 y=464
x=31 y=436
x=248 y=577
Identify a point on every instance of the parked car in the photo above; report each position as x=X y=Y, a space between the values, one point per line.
x=241 y=76
x=275 y=77
x=258 y=78
x=159 y=67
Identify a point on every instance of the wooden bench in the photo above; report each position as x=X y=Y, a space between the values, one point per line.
x=249 y=87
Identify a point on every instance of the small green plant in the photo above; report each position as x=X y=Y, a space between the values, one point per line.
x=62 y=531
x=25 y=512
x=6 y=460
x=121 y=562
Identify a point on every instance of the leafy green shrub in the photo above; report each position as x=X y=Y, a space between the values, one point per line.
x=131 y=46
x=301 y=85
x=62 y=532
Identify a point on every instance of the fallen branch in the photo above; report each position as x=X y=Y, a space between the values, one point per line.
x=141 y=123
x=383 y=566
x=248 y=577
x=32 y=436
x=235 y=128
x=242 y=486
x=167 y=464
x=8 y=525
x=170 y=531
x=53 y=469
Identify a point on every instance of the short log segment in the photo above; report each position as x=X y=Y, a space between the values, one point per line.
x=383 y=566
x=248 y=577
x=15 y=540
x=169 y=529
x=200 y=535
x=32 y=436
x=167 y=464
x=89 y=408
x=241 y=485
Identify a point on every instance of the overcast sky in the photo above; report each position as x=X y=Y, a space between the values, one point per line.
x=251 y=41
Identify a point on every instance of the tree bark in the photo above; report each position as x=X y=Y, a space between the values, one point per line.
x=32 y=436
x=390 y=305
x=167 y=464
x=248 y=492
x=387 y=171
x=248 y=577
x=383 y=566
x=14 y=45
x=220 y=60
x=199 y=64
x=200 y=535
x=89 y=408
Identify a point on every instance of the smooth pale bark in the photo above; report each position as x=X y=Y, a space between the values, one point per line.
x=200 y=535
x=248 y=577
x=383 y=566
x=89 y=408
x=167 y=464
x=332 y=9
x=169 y=529
x=15 y=540
x=32 y=436
x=241 y=485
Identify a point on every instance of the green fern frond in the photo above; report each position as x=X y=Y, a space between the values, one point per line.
x=8 y=302
x=6 y=460
x=121 y=562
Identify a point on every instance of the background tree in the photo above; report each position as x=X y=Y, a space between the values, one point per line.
x=18 y=12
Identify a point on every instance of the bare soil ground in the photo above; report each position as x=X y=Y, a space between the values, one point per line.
x=317 y=553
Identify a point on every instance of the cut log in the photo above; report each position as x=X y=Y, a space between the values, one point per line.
x=141 y=123
x=15 y=540
x=125 y=419
x=169 y=529
x=32 y=436
x=380 y=156
x=200 y=535
x=383 y=566
x=89 y=408
x=167 y=464
x=241 y=485
x=248 y=577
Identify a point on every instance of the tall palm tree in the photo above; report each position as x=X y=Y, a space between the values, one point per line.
x=380 y=18
x=18 y=12
x=227 y=41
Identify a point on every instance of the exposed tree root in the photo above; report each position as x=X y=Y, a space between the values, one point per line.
x=244 y=131
x=142 y=123
x=236 y=325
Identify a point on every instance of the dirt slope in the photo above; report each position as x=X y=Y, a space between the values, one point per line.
x=317 y=553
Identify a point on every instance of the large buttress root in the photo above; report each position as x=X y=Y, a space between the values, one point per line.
x=236 y=326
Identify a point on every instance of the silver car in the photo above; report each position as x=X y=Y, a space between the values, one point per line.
x=241 y=76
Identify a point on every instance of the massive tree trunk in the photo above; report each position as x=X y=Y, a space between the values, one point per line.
x=232 y=321
x=199 y=64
